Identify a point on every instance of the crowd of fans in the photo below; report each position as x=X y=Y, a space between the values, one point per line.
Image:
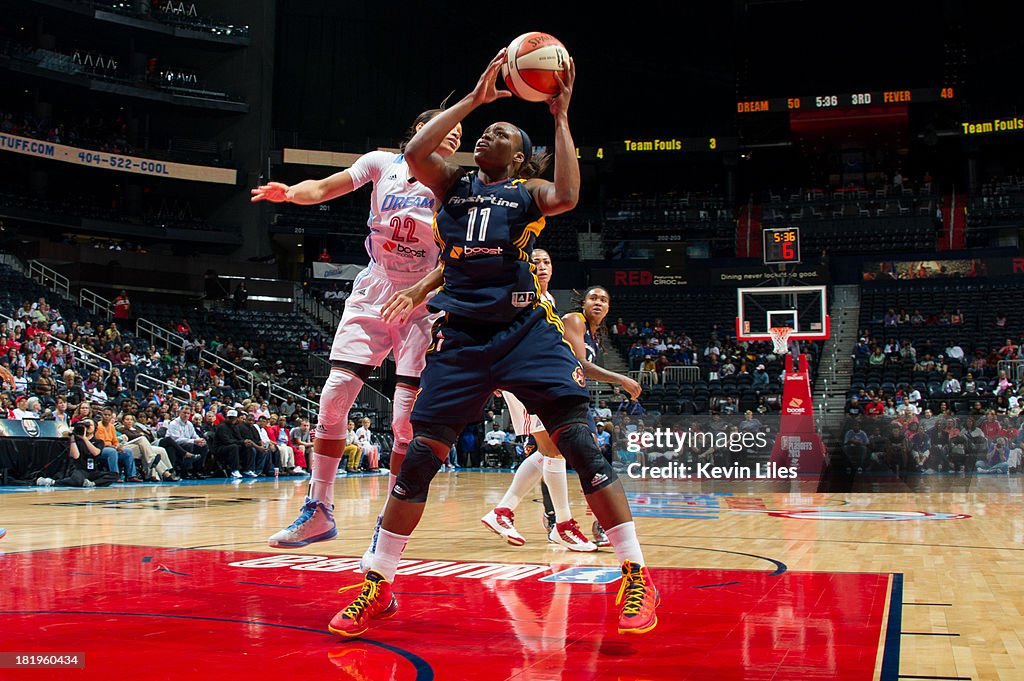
x=93 y=131
x=195 y=420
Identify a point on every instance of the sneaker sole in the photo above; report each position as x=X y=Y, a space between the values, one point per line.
x=514 y=541
x=641 y=630
x=331 y=534
x=386 y=615
x=572 y=547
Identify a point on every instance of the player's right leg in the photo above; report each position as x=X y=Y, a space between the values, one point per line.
x=501 y=519
x=376 y=601
x=316 y=518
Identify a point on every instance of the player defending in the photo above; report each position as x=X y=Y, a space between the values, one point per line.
x=497 y=333
x=546 y=462
x=402 y=250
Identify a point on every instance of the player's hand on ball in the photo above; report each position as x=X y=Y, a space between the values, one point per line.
x=486 y=89
x=632 y=388
x=274 y=192
x=559 y=104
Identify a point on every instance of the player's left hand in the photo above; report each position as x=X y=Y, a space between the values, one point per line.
x=401 y=303
x=559 y=104
x=632 y=388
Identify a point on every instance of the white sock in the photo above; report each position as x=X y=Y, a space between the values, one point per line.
x=321 y=483
x=527 y=476
x=388 y=554
x=558 y=488
x=624 y=541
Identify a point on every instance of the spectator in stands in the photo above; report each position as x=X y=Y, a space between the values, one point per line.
x=891 y=318
x=1004 y=383
x=113 y=450
x=919 y=445
x=184 y=434
x=1009 y=349
x=493 y=450
x=603 y=412
x=873 y=406
x=853 y=407
x=239 y=297
x=153 y=457
x=300 y=437
x=61 y=417
x=951 y=386
x=855 y=445
x=916 y=319
x=997 y=459
x=954 y=352
x=366 y=439
x=761 y=379
x=1001 y=320
x=122 y=307
x=257 y=456
x=21 y=411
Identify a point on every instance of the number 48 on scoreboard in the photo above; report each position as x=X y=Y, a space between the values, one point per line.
x=781 y=245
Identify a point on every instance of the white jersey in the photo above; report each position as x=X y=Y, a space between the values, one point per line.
x=401 y=214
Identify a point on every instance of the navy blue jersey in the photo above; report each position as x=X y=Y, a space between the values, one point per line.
x=486 y=234
x=591 y=343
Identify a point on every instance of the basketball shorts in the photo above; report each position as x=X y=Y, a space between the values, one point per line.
x=363 y=337
x=469 y=361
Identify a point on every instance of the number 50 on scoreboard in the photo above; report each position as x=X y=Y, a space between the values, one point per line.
x=781 y=245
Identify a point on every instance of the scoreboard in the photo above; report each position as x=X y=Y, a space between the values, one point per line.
x=835 y=100
x=781 y=245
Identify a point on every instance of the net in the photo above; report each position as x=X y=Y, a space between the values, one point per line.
x=780 y=338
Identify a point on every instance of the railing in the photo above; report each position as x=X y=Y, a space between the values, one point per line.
x=243 y=374
x=680 y=374
x=646 y=378
x=318 y=365
x=95 y=303
x=303 y=403
x=50 y=278
x=376 y=400
x=314 y=308
x=87 y=358
x=158 y=334
x=1014 y=368
x=180 y=396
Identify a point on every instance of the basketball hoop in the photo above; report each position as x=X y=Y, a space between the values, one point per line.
x=780 y=338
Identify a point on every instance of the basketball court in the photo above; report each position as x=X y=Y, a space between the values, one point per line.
x=176 y=581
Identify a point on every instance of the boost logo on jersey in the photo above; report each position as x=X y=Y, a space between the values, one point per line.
x=392 y=247
x=473 y=251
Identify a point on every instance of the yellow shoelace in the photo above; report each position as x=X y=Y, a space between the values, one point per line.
x=634 y=588
x=370 y=590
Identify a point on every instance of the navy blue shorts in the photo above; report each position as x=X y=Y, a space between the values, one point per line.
x=468 y=362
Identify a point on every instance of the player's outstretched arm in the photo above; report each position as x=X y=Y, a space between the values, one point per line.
x=402 y=302
x=307 y=192
x=420 y=153
x=575 y=329
x=561 y=195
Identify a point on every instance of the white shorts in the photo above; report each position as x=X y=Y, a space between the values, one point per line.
x=523 y=422
x=363 y=337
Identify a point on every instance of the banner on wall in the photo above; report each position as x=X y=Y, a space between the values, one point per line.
x=107 y=161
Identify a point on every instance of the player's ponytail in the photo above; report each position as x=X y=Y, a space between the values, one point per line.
x=423 y=118
x=535 y=166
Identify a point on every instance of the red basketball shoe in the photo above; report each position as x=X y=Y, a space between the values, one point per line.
x=374 y=602
x=639 y=598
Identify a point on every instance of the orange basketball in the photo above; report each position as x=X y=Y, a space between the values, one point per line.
x=530 y=66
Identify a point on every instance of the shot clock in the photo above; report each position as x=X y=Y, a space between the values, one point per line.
x=781 y=245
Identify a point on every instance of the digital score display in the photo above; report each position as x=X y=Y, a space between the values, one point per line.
x=834 y=101
x=781 y=245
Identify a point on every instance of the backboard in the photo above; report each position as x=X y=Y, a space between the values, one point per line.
x=801 y=308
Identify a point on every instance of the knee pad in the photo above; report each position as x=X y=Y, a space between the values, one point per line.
x=401 y=426
x=578 y=446
x=418 y=469
x=340 y=391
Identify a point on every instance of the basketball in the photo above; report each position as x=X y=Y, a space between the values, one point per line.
x=531 y=64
